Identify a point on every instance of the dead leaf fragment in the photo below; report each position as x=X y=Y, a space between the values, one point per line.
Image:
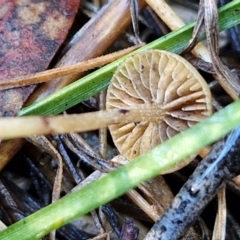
x=30 y=34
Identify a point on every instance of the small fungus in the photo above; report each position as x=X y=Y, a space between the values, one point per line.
x=171 y=90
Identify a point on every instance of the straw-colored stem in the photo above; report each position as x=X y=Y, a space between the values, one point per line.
x=221 y=218
x=65 y=70
x=143 y=204
x=27 y=126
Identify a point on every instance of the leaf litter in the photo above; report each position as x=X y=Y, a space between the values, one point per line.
x=153 y=196
x=31 y=33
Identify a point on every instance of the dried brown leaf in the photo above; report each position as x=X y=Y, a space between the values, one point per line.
x=31 y=32
x=226 y=79
x=198 y=28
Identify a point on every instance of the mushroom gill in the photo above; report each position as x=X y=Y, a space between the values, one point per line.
x=166 y=84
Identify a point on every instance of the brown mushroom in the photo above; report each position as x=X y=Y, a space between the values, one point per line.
x=166 y=84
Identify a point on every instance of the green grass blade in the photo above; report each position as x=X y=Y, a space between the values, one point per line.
x=95 y=82
x=118 y=182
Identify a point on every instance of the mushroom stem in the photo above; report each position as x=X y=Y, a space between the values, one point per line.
x=144 y=112
x=27 y=126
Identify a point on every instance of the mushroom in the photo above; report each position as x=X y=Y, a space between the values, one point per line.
x=171 y=91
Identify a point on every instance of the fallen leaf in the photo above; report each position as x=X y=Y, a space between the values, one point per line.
x=30 y=34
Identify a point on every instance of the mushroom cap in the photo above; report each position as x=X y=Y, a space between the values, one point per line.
x=161 y=79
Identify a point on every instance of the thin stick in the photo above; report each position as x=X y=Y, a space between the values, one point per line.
x=220 y=222
x=134 y=10
x=38 y=125
x=150 y=210
x=65 y=70
x=102 y=133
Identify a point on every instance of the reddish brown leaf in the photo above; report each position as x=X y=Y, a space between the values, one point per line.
x=30 y=34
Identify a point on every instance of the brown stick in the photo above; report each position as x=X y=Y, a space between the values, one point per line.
x=38 y=125
x=65 y=70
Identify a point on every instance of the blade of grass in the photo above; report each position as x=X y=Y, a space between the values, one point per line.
x=176 y=41
x=118 y=182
